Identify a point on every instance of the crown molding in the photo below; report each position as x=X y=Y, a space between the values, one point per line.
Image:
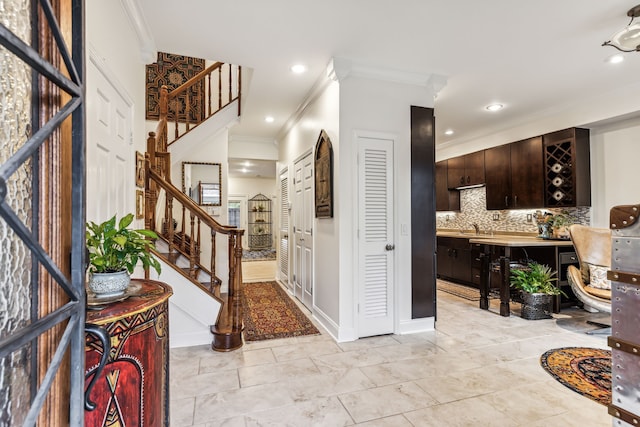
x=342 y=68
x=320 y=85
x=148 y=51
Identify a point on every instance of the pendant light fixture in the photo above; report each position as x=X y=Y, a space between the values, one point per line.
x=628 y=38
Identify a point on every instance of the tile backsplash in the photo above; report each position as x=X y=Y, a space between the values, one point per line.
x=473 y=210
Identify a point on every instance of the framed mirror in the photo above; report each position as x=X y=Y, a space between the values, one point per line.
x=202 y=182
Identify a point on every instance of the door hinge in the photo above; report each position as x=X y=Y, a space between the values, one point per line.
x=294 y=278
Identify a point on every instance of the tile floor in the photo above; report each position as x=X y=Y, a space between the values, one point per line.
x=476 y=369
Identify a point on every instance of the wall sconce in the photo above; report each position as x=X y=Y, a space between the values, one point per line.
x=628 y=38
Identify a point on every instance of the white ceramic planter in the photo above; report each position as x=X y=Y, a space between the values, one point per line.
x=109 y=284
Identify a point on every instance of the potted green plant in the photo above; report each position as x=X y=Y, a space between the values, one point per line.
x=114 y=251
x=537 y=286
x=560 y=225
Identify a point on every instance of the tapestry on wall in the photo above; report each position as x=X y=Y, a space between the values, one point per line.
x=174 y=70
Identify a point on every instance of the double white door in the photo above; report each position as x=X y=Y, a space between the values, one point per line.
x=303 y=230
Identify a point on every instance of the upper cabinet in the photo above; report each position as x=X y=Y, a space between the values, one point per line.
x=466 y=171
x=548 y=171
x=446 y=200
x=567 y=168
x=514 y=175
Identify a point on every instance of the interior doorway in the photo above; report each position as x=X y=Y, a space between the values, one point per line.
x=237 y=214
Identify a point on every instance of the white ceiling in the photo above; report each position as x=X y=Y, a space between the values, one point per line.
x=537 y=58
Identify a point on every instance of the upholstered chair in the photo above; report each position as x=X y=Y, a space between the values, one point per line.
x=589 y=283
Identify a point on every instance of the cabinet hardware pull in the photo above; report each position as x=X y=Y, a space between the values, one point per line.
x=390 y=247
x=506 y=202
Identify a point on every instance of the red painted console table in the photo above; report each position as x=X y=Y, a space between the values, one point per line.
x=133 y=388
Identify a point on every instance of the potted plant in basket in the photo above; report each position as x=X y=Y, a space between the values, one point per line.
x=114 y=251
x=537 y=288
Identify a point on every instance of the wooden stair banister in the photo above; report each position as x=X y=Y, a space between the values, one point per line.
x=227 y=329
x=202 y=82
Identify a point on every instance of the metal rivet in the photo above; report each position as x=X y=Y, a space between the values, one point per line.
x=631 y=218
x=618 y=344
x=635 y=350
x=624 y=222
x=617 y=413
x=613 y=226
x=635 y=209
x=634 y=279
x=615 y=275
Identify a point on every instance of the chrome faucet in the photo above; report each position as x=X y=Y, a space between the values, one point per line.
x=476 y=227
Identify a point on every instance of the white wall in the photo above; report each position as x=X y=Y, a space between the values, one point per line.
x=322 y=112
x=252 y=186
x=377 y=106
x=615 y=150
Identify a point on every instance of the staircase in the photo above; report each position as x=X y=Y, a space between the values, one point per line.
x=195 y=246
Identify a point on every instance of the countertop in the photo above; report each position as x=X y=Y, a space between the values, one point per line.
x=506 y=239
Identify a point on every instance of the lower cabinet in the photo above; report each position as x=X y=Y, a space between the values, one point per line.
x=454 y=256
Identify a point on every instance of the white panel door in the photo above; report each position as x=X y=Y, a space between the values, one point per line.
x=302 y=211
x=375 y=236
x=307 y=232
x=110 y=162
x=284 y=228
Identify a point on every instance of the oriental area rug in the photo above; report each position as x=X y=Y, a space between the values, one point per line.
x=584 y=370
x=270 y=313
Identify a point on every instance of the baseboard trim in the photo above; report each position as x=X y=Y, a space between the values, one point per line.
x=424 y=324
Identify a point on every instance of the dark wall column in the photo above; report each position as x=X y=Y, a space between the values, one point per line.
x=423 y=213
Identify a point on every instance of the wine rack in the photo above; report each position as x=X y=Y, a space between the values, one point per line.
x=559 y=177
x=567 y=175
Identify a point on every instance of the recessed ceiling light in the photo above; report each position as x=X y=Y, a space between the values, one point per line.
x=298 y=68
x=448 y=132
x=494 y=107
x=269 y=119
x=615 y=59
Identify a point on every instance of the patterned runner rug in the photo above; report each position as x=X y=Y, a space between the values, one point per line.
x=466 y=292
x=584 y=370
x=270 y=313
x=259 y=255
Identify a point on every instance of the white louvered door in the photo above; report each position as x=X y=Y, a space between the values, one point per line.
x=284 y=228
x=376 y=240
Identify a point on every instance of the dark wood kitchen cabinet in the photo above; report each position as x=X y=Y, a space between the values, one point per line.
x=454 y=259
x=466 y=170
x=567 y=168
x=446 y=200
x=514 y=175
